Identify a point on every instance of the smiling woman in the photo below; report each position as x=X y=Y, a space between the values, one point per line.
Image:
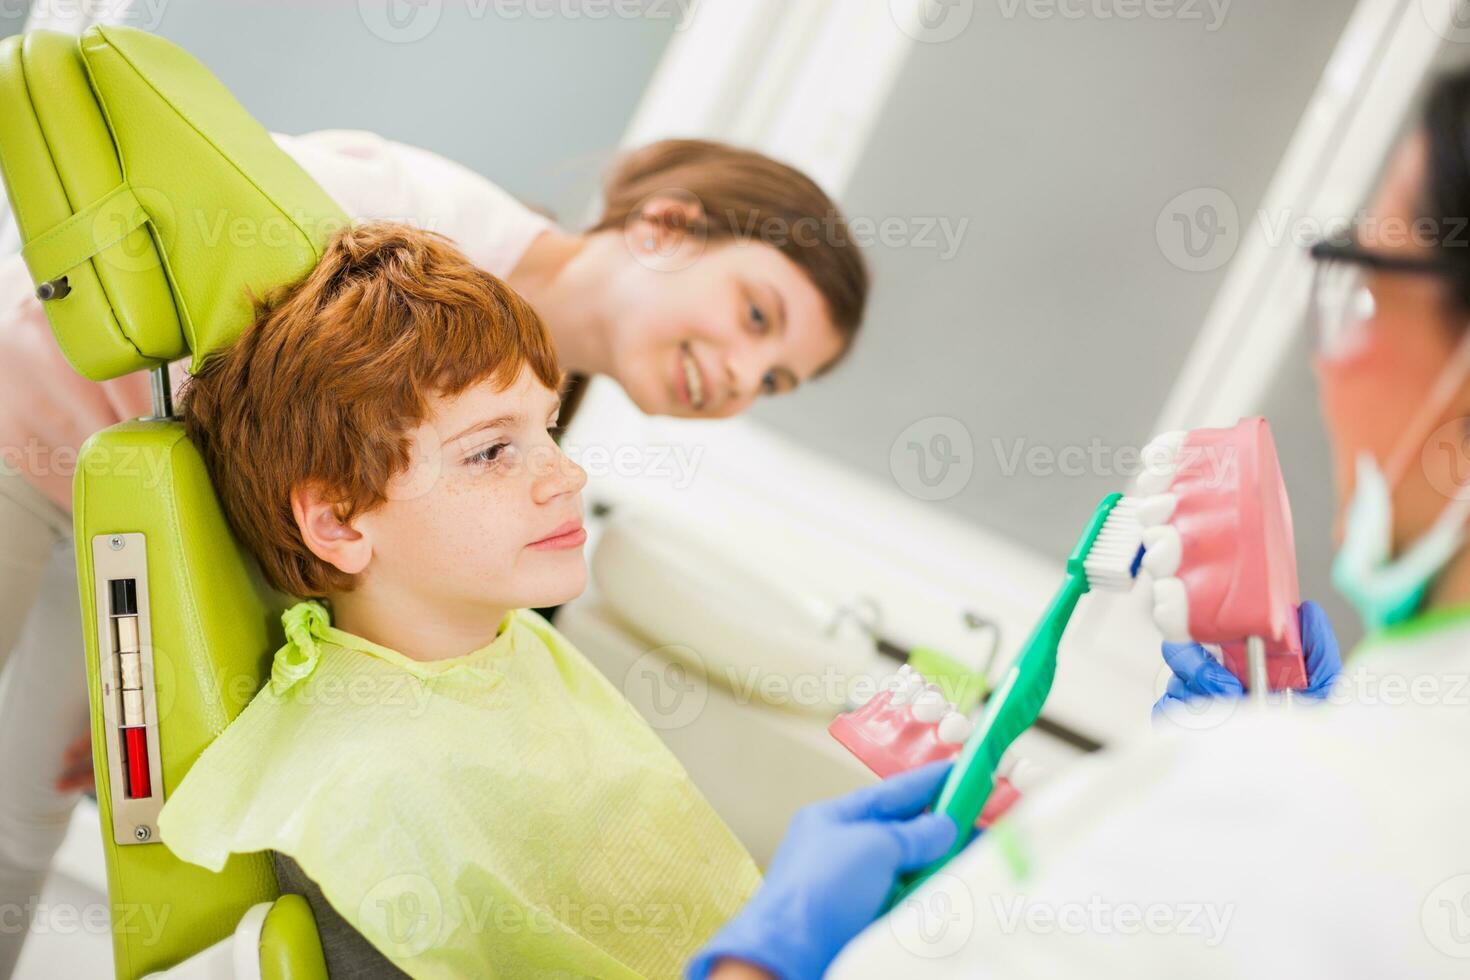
x=714 y=276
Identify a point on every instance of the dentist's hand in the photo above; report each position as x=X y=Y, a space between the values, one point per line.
x=831 y=875
x=1199 y=675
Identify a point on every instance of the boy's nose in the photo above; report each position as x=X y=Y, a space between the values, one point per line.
x=561 y=476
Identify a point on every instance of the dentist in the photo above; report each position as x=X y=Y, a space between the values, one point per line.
x=1326 y=841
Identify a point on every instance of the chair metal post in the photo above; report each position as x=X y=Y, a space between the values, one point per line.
x=163 y=395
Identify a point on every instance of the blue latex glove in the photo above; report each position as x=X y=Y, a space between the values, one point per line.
x=1197 y=674
x=832 y=874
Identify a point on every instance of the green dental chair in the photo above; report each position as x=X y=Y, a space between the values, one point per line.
x=152 y=208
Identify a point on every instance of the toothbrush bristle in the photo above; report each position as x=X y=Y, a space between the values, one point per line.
x=1112 y=562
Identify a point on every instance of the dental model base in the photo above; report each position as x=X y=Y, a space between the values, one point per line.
x=1219 y=546
x=1106 y=556
x=908 y=724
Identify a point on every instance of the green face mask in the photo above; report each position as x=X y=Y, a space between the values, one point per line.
x=1387 y=589
x=1384 y=589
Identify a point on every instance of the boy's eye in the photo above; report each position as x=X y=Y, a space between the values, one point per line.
x=489 y=454
x=769 y=384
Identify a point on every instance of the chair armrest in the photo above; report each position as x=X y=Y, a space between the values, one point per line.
x=290 y=948
x=274 y=941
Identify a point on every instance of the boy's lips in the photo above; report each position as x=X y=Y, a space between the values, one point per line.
x=569 y=535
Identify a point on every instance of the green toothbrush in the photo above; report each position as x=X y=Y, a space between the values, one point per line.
x=1106 y=556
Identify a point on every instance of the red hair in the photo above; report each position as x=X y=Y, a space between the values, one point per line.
x=327 y=383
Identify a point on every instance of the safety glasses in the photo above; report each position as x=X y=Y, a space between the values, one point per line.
x=1342 y=303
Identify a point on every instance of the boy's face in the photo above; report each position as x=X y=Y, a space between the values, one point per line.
x=489 y=511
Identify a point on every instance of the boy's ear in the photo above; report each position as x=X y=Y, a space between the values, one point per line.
x=337 y=543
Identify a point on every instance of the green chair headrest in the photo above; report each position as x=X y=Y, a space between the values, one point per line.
x=136 y=176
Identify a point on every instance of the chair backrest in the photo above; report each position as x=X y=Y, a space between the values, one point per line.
x=153 y=208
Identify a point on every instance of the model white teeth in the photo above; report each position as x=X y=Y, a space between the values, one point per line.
x=929 y=705
x=1160 y=464
x=1020 y=772
x=692 y=378
x=1171 y=609
x=1155 y=510
x=954 y=728
x=1163 y=549
x=912 y=686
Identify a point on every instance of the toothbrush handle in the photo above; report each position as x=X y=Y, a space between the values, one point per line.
x=1013 y=708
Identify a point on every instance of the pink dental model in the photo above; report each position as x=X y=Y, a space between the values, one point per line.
x=907 y=724
x=1218 y=544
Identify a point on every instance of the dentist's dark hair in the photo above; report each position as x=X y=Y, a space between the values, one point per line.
x=1446 y=193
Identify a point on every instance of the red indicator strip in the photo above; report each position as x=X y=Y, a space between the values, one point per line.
x=136 y=740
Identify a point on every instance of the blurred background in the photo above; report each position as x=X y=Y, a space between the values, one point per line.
x=1086 y=220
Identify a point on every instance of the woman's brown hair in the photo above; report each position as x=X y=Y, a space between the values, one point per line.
x=745 y=194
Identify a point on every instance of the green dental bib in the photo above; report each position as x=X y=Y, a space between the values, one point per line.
x=504 y=814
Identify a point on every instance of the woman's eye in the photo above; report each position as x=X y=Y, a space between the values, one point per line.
x=758 y=319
